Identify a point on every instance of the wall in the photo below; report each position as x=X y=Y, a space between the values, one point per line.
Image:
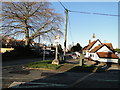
x=86 y=53
x=104 y=49
x=94 y=56
x=108 y=60
x=3 y=50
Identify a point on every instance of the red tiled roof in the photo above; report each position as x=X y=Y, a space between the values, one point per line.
x=85 y=48
x=91 y=44
x=109 y=45
x=107 y=55
x=96 y=48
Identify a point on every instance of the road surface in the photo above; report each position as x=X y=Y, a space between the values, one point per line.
x=68 y=79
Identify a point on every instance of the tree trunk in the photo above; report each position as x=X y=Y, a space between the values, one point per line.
x=27 y=41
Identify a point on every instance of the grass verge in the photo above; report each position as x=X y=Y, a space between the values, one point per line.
x=43 y=64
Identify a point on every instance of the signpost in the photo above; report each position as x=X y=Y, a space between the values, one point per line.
x=56 y=60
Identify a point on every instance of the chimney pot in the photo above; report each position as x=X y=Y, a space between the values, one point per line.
x=89 y=41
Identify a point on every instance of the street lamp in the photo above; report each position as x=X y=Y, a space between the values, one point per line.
x=44 y=50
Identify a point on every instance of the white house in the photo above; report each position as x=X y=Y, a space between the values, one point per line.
x=102 y=52
x=90 y=46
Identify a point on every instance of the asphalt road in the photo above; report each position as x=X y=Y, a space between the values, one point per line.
x=76 y=80
x=16 y=65
x=49 y=79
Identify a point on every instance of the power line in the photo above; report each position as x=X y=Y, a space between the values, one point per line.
x=94 y=13
x=87 y=12
x=62 y=5
x=65 y=33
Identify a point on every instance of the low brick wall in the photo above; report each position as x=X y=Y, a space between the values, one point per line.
x=3 y=50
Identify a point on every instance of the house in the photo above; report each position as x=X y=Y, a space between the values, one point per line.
x=103 y=53
x=90 y=46
x=98 y=51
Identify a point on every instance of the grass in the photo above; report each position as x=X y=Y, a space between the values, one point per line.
x=43 y=64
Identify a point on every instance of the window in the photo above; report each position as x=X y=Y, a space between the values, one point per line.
x=90 y=55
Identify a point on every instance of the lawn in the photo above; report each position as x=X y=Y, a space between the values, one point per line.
x=43 y=64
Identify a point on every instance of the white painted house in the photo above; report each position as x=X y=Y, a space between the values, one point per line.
x=102 y=52
x=90 y=46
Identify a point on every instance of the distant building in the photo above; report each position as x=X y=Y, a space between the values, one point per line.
x=98 y=51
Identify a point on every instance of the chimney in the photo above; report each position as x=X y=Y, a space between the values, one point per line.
x=94 y=36
x=89 y=41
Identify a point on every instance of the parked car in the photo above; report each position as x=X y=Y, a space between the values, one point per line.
x=75 y=55
x=78 y=54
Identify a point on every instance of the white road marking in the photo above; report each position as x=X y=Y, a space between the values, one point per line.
x=32 y=85
x=15 y=84
x=79 y=80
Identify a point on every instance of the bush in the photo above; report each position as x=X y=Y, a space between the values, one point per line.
x=18 y=53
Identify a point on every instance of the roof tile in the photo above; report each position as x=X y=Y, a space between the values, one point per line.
x=107 y=55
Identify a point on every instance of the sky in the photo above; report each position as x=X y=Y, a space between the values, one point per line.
x=82 y=26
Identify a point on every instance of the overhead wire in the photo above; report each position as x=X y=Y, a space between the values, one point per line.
x=62 y=5
x=69 y=24
x=68 y=21
x=104 y=14
x=93 y=13
x=86 y=12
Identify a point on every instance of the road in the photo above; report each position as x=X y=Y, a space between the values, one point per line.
x=76 y=80
x=8 y=66
x=68 y=79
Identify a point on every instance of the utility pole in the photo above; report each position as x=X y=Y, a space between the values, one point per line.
x=65 y=33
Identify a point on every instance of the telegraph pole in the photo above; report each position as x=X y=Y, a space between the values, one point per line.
x=65 y=33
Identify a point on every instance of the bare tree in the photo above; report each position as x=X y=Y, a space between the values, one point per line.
x=30 y=19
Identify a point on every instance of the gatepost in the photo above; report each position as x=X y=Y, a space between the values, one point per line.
x=81 y=59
